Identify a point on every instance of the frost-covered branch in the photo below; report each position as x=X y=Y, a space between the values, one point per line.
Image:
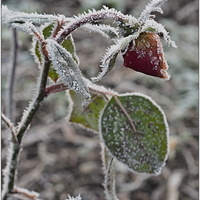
x=91 y=17
x=35 y=104
x=109 y=174
x=25 y=194
x=14 y=148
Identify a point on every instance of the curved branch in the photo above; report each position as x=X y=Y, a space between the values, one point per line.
x=91 y=16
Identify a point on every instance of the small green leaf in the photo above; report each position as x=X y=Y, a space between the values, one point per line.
x=134 y=129
x=69 y=45
x=88 y=117
x=107 y=64
x=53 y=74
x=36 y=51
x=47 y=31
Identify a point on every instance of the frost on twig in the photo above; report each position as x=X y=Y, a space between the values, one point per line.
x=153 y=6
x=67 y=68
x=109 y=174
x=90 y=17
x=24 y=194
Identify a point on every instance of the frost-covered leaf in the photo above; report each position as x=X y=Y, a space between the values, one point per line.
x=69 y=45
x=67 y=69
x=108 y=60
x=36 y=51
x=134 y=129
x=10 y=17
x=88 y=116
x=47 y=29
x=105 y=30
x=153 y=6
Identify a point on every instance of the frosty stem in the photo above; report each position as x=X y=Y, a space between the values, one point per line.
x=14 y=147
x=109 y=177
x=88 y=18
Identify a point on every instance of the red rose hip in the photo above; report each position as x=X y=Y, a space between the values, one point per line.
x=147 y=56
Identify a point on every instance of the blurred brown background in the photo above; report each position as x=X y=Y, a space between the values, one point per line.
x=60 y=159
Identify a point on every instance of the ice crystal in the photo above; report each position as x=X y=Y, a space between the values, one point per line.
x=67 y=68
x=74 y=198
x=153 y=6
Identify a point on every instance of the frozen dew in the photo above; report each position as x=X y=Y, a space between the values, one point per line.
x=143 y=151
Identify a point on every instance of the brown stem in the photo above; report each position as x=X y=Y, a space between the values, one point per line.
x=54 y=89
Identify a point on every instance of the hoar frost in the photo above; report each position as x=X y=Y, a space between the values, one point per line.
x=143 y=151
x=67 y=68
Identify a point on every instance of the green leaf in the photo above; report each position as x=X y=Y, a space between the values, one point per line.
x=134 y=129
x=53 y=74
x=36 y=51
x=69 y=45
x=47 y=31
x=88 y=117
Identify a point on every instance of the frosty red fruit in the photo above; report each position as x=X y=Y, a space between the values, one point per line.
x=147 y=56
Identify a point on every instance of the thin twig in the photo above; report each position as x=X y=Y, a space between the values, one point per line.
x=14 y=149
x=35 y=104
x=55 y=88
x=10 y=125
x=11 y=78
x=109 y=175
